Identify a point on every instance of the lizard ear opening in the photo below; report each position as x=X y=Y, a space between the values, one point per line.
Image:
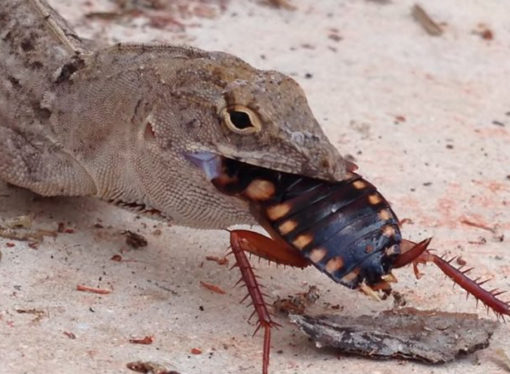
x=241 y=120
x=149 y=131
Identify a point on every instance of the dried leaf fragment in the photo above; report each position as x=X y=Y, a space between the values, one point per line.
x=296 y=304
x=69 y=334
x=425 y=21
x=212 y=287
x=145 y=340
x=99 y=291
x=218 y=260
x=427 y=336
x=134 y=240
x=148 y=368
x=281 y=4
x=502 y=359
x=196 y=351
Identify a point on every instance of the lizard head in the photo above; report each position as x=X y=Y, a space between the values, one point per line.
x=226 y=107
x=187 y=105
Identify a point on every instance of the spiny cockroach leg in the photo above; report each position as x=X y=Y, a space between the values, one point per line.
x=489 y=298
x=258 y=302
x=243 y=241
x=417 y=253
x=276 y=251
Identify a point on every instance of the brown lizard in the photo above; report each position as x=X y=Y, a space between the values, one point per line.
x=122 y=122
x=117 y=123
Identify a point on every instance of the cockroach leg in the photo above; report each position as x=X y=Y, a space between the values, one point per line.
x=369 y=291
x=273 y=250
x=474 y=287
x=276 y=251
x=417 y=253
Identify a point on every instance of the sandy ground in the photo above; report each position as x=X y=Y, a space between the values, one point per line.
x=427 y=119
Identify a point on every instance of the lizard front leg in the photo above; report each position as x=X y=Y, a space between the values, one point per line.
x=272 y=250
x=31 y=161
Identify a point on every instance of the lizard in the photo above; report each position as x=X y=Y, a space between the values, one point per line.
x=118 y=122
x=129 y=123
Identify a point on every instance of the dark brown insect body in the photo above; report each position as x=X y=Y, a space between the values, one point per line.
x=346 y=229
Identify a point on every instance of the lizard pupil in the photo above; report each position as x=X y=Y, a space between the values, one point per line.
x=240 y=120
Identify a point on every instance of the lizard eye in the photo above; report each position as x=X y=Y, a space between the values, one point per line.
x=241 y=120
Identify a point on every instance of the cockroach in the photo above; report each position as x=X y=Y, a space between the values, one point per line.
x=345 y=229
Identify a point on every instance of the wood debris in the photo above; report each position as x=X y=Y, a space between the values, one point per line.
x=477 y=224
x=20 y=228
x=134 y=240
x=218 y=260
x=212 y=287
x=296 y=304
x=425 y=21
x=484 y=32
x=39 y=314
x=284 y=4
x=502 y=359
x=69 y=334
x=149 y=368
x=429 y=336
x=145 y=340
x=99 y=291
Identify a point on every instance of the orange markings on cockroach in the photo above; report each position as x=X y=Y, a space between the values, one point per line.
x=349 y=277
x=388 y=231
x=260 y=189
x=99 y=291
x=336 y=263
x=359 y=184
x=374 y=199
x=302 y=240
x=278 y=211
x=317 y=254
x=287 y=227
x=384 y=215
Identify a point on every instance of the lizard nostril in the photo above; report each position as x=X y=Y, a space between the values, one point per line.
x=325 y=163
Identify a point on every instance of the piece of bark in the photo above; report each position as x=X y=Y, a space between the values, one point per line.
x=426 y=22
x=427 y=336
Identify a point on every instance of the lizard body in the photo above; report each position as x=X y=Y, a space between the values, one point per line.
x=118 y=122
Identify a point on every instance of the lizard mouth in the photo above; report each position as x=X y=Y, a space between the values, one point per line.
x=211 y=164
